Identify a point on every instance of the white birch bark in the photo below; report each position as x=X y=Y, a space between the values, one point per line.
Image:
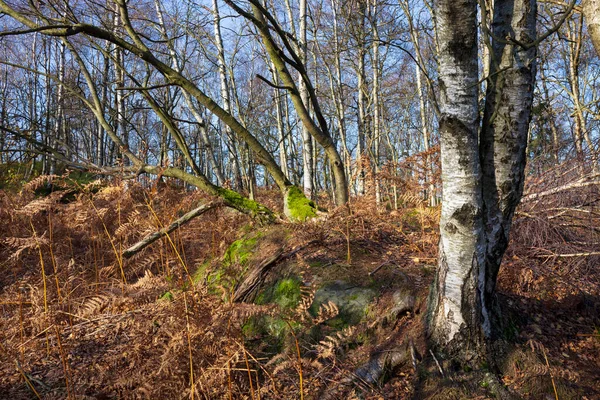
x=362 y=112
x=503 y=139
x=591 y=11
x=482 y=182
x=234 y=159
x=307 y=145
x=376 y=107
x=277 y=98
x=454 y=311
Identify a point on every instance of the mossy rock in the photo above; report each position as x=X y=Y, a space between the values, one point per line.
x=286 y=293
x=241 y=250
x=352 y=302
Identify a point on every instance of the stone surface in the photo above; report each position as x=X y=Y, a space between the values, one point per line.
x=351 y=300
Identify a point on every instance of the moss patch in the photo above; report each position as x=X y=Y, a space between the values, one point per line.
x=273 y=330
x=352 y=302
x=246 y=206
x=240 y=251
x=285 y=293
x=297 y=206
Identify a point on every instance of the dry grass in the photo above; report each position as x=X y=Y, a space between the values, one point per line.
x=80 y=322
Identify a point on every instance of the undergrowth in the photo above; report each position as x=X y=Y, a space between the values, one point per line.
x=80 y=321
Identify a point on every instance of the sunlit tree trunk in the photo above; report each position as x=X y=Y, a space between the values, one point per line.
x=591 y=11
x=362 y=102
x=455 y=304
x=483 y=173
x=225 y=96
x=376 y=106
x=307 y=147
x=574 y=35
x=281 y=134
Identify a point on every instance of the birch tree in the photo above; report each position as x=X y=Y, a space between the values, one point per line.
x=591 y=11
x=482 y=168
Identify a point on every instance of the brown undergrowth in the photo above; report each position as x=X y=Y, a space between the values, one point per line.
x=81 y=322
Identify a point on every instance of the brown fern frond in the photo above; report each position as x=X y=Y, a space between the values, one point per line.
x=19 y=245
x=42 y=204
x=95 y=305
x=38 y=182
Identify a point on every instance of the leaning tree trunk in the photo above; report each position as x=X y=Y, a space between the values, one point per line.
x=504 y=137
x=591 y=12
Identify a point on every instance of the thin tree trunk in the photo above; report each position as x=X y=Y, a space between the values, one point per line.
x=574 y=34
x=210 y=153
x=320 y=132
x=307 y=145
x=362 y=112
x=376 y=107
x=283 y=161
x=225 y=96
x=551 y=117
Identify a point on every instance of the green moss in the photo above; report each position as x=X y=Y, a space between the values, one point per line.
x=246 y=206
x=241 y=250
x=167 y=296
x=297 y=206
x=200 y=273
x=285 y=293
x=337 y=323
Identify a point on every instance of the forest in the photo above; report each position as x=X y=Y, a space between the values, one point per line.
x=320 y=199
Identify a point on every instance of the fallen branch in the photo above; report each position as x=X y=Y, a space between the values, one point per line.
x=575 y=185
x=591 y=253
x=153 y=237
x=381 y=364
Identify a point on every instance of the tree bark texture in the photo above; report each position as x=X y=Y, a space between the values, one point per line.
x=454 y=303
x=482 y=171
x=503 y=139
x=591 y=11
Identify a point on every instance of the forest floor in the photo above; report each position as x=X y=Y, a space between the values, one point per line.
x=81 y=322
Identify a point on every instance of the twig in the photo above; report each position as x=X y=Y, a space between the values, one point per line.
x=591 y=253
x=437 y=363
x=27 y=379
x=550 y=371
x=378 y=268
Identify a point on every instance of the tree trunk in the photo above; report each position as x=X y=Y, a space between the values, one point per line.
x=482 y=182
x=376 y=106
x=307 y=145
x=319 y=132
x=591 y=11
x=503 y=139
x=455 y=307
x=233 y=151
x=216 y=169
